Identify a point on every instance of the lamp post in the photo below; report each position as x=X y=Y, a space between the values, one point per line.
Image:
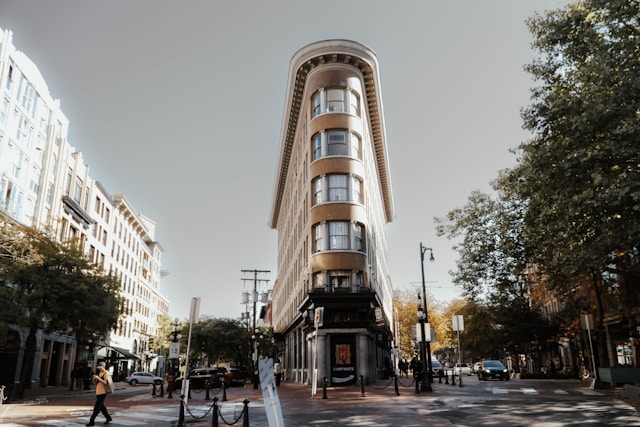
x=175 y=336
x=427 y=373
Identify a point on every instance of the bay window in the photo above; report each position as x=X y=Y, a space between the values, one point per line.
x=336 y=142
x=335 y=100
x=337 y=188
x=339 y=236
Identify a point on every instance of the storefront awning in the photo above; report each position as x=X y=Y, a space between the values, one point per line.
x=123 y=354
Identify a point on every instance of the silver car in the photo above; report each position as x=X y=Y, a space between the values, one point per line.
x=143 y=378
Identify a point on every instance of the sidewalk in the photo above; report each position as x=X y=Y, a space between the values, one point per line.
x=39 y=393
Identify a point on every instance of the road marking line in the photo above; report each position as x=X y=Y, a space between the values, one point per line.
x=560 y=391
x=529 y=390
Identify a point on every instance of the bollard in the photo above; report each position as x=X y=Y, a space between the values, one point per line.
x=395 y=380
x=153 y=389
x=245 y=411
x=170 y=390
x=206 y=393
x=324 y=388
x=446 y=377
x=224 y=389
x=460 y=380
x=416 y=379
x=362 y=386
x=453 y=378
x=214 y=419
x=162 y=389
x=181 y=416
x=440 y=377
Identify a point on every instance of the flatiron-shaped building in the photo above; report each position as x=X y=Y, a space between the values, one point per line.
x=332 y=199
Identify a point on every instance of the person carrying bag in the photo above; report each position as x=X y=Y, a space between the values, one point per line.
x=104 y=386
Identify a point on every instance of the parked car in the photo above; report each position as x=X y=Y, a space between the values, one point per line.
x=493 y=369
x=239 y=376
x=436 y=367
x=143 y=378
x=462 y=369
x=476 y=367
x=199 y=377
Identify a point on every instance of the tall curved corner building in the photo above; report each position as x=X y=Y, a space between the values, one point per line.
x=332 y=199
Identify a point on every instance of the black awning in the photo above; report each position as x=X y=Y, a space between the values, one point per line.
x=124 y=354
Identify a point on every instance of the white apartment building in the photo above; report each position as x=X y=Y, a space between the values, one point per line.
x=45 y=183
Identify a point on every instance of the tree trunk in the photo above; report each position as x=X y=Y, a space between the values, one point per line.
x=28 y=360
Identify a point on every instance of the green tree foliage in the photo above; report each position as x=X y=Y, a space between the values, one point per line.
x=580 y=173
x=225 y=340
x=57 y=289
x=566 y=214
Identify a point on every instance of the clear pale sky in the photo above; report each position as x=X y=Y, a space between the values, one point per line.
x=178 y=105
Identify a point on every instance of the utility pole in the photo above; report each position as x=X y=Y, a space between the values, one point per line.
x=253 y=324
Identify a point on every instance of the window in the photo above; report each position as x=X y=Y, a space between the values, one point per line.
x=338 y=280
x=338 y=188
x=10 y=77
x=77 y=190
x=356 y=190
x=335 y=100
x=317 y=103
x=357 y=236
x=4 y=111
x=338 y=235
x=341 y=236
x=317 y=191
x=336 y=143
x=317 y=146
x=317 y=240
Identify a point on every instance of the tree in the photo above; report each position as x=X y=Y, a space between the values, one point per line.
x=57 y=290
x=580 y=172
x=221 y=340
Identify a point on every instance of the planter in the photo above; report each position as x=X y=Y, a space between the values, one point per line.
x=620 y=375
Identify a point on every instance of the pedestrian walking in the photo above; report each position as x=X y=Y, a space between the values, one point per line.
x=104 y=386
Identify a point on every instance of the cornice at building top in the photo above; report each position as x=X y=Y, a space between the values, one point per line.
x=303 y=62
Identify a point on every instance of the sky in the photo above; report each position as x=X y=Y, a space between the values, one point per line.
x=179 y=106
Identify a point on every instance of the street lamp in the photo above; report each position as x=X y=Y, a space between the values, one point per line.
x=427 y=373
x=175 y=336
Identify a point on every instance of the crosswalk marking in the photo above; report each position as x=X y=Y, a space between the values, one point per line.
x=533 y=391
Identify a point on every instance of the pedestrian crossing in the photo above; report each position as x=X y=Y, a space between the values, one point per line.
x=534 y=391
x=145 y=415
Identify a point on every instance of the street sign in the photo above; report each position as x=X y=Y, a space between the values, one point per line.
x=457 y=323
x=270 y=393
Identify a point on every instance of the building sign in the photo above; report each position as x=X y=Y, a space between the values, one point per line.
x=174 y=350
x=343 y=360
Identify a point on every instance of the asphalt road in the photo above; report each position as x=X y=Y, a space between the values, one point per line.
x=478 y=403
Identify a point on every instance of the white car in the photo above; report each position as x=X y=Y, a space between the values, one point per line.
x=143 y=378
x=462 y=369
